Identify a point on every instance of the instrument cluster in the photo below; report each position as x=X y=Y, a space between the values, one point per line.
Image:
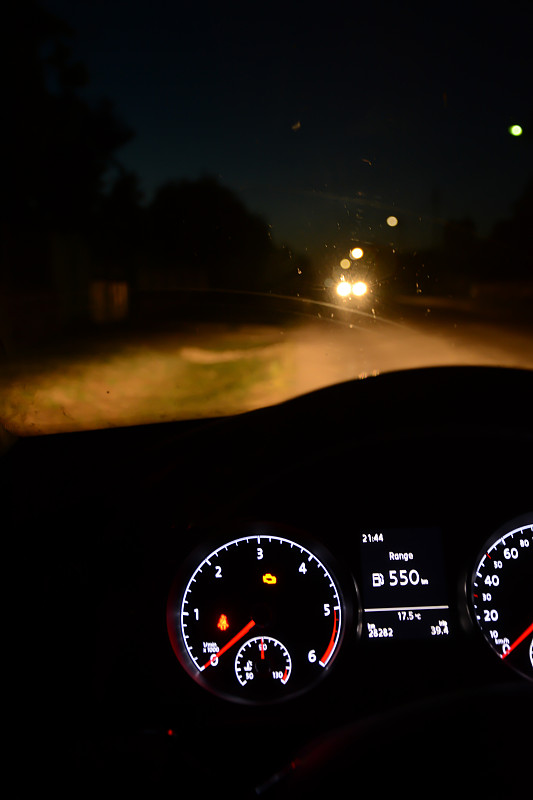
x=262 y=616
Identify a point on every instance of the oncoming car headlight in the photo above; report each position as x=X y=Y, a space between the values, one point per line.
x=345 y=289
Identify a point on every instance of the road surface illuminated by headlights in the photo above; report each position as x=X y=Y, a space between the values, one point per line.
x=216 y=370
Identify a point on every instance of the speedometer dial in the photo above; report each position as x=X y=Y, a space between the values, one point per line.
x=502 y=593
x=261 y=617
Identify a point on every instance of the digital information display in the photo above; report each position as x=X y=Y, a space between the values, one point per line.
x=403 y=586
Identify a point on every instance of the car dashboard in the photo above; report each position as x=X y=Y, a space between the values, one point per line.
x=368 y=507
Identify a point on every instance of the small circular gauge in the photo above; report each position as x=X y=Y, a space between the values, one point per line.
x=259 y=618
x=501 y=593
x=260 y=663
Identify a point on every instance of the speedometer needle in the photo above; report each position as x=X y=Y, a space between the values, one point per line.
x=231 y=642
x=518 y=641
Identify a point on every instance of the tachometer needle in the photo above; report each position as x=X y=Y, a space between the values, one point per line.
x=518 y=641
x=231 y=642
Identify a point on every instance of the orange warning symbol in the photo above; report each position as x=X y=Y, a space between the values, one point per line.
x=223 y=623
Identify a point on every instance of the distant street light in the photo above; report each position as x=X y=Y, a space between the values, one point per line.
x=516 y=130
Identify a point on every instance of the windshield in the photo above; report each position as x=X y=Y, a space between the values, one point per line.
x=208 y=210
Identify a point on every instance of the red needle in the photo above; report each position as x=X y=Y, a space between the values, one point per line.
x=231 y=642
x=518 y=641
x=262 y=650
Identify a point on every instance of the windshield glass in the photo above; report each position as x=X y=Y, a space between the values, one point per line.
x=210 y=209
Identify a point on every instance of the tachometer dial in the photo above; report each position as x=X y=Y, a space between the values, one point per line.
x=259 y=618
x=502 y=593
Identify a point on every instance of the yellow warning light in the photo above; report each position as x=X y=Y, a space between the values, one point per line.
x=270 y=579
x=223 y=623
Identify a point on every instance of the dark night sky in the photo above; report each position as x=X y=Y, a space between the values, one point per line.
x=324 y=120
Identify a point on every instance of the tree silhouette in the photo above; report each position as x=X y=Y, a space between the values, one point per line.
x=118 y=240
x=202 y=227
x=509 y=245
x=62 y=228
x=58 y=148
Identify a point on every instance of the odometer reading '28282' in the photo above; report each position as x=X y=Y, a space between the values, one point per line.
x=258 y=619
x=502 y=593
